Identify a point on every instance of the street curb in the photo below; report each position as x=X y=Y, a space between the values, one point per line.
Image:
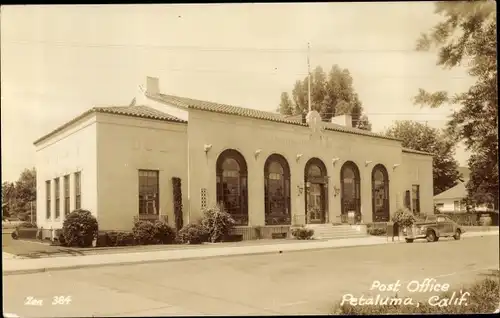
x=188 y=258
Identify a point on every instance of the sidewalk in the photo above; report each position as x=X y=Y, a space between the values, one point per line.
x=23 y=266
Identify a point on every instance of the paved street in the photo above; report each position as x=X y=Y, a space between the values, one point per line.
x=305 y=282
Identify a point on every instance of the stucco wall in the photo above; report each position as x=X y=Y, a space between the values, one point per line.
x=247 y=135
x=127 y=144
x=71 y=150
x=417 y=170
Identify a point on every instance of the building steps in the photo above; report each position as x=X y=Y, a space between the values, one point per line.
x=329 y=231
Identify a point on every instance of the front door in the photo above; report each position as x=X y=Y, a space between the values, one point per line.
x=316 y=209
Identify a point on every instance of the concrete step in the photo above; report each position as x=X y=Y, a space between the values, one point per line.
x=328 y=231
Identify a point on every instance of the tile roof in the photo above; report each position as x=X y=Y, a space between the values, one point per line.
x=138 y=111
x=132 y=111
x=457 y=192
x=184 y=102
x=418 y=152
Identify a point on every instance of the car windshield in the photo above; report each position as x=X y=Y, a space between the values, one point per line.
x=431 y=218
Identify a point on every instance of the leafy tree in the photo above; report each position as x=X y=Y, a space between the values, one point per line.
x=18 y=195
x=424 y=138
x=286 y=107
x=332 y=95
x=26 y=189
x=8 y=192
x=467 y=34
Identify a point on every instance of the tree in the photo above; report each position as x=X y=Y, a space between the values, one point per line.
x=421 y=137
x=8 y=193
x=331 y=95
x=26 y=189
x=286 y=107
x=20 y=194
x=467 y=33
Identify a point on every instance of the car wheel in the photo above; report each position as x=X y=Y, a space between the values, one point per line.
x=457 y=235
x=409 y=240
x=431 y=236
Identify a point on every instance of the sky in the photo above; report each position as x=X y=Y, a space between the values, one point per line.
x=59 y=61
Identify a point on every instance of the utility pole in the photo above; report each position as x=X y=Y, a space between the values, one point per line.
x=308 y=78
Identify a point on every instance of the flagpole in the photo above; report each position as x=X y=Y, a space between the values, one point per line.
x=308 y=78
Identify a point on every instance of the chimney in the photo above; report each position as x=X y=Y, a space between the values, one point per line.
x=152 y=85
x=343 y=120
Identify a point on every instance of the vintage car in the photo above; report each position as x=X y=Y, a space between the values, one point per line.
x=432 y=227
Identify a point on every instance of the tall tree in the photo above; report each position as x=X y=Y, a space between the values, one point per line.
x=332 y=94
x=467 y=33
x=20 y=194
x=424 y=138
x=286 y=106
x=8 y=195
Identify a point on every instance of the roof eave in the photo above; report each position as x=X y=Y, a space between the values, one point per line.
x=64 y=126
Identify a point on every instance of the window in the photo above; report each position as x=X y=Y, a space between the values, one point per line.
x=456 y=206
x=439 y=206
x=47 y=199
x=415 y=197
x=58 y=193
x=149 y=197
x=66 y=195
x=380 y=194
x=78 y=191
x=441 y=219
x=231 y=178
x=277 y=190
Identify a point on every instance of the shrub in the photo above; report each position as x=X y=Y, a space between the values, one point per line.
x=484 y=298
x=27 y=225
x=164 y=233
x=377 y=231
x=61 y=239
x=217 y=223
x=302 y=233
x=145 y=233
x=14 y=235
x=404 y=218
x=118 y=238
x=177 y=192
x=192 y=233
x=80 y=228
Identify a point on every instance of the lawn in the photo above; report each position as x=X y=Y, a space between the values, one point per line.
x=34 y=249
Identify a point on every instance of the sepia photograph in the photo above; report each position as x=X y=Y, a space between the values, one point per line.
x=249 y=159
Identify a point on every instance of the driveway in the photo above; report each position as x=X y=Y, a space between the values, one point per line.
x=305 y=282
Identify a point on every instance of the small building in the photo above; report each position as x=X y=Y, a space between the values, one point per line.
x=267 y=169
x=452 y=200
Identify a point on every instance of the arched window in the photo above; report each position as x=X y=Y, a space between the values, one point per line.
x=380 y=194
x=232 y=187
x=350 y=191
x=316 y=199
x=277 y=190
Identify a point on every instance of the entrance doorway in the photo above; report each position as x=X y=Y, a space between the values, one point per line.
x=350 y=192
x=380 y=194
x=316 y=199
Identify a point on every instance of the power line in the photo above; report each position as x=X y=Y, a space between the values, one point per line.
x=212 y=49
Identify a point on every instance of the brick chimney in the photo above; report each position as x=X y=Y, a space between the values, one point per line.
x=343 y=120
x=152 y=85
